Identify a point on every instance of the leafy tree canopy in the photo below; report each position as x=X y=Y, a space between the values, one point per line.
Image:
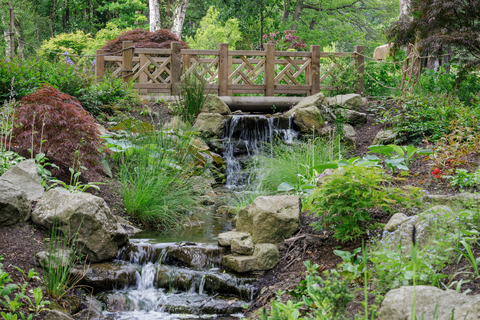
x=440 y=25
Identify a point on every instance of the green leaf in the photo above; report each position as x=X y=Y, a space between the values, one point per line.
x=285 y=186
x=384 y=150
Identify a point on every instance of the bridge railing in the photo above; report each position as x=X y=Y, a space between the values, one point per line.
x=227 y=72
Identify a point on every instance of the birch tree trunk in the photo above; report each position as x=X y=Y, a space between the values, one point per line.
x=179 y=17
x=6 y=35
x=404 y=8
x=154 y=15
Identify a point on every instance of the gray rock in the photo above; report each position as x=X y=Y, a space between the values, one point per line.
x=59 y=257
x=308 y=119
x=267 y=256
x=240 y=264
x=57 y=315
x=83 y=217
x=350 y=101
x=314 y=100
x=402 y=236
x=385 y=137
x=115 y=301
x=214 y=105
x=270 y=219
x=225 y=238
x=461 y=201
x=106 y=276
x=430 y=303
x=93 y=311
x=349 y=134
x=25 y=177
x=127 y=226
x=396 y=220
x=242 y=247
x=210 y=124
x=14 y=205
x=352 y=117
x=175 y=123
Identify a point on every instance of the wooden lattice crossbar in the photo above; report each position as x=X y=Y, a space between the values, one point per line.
x=228 y=72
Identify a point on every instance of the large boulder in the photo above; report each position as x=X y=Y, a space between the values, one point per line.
x=399 y=233
x=83 y=217
x=350 y=101
x=352 y=117
x=25 y=177
x=270 y=219
x=461 y=201
x=242 y=247
x=348 y=132
x=306 y=114
x=385 y=137
x=214 y=104
x=314 y=100
x=14 y=205
x=57 y=315
x=308 y=119
x=210 y=124
x=381 y=52
x=430 y=303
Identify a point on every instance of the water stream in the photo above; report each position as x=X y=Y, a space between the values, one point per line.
x=179 y=274
x=245 y=137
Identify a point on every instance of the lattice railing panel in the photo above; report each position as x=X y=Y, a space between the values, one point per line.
x=333 y=68
x=247 y=71
x=205 y=69
x=290 y=70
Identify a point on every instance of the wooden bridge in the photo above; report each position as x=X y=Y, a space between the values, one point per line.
x=229 y=72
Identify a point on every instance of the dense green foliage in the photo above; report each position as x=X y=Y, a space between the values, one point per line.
x=344 y=200
x=428 y=116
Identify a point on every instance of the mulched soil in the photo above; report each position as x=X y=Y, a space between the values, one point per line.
x=19 y=243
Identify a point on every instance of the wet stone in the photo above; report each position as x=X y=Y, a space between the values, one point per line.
x=107 y=276
x=196 y=256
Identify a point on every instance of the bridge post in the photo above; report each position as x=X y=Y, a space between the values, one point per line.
x=360 y=68
x=269 y=69
x=223 y=69
x=175 y=66
x=99 y=64
x=315 y=69
x=127 y=60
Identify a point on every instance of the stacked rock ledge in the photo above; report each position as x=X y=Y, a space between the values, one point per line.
x=260 y=226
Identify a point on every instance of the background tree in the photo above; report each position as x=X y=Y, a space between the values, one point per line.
x=440 y=25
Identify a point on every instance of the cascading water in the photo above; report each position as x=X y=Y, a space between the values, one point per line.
x=178 y=279
x=245 y=136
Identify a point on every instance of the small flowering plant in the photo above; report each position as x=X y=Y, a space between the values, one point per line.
x=437 y=173
x=285 y=41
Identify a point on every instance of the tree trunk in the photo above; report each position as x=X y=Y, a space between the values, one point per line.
x=179 y=17
x=6 y=34
x=404 y=8
x=285 y=13
x=296 y=14
x=154 y=15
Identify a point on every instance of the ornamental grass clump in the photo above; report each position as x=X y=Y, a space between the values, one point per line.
x=345 y=199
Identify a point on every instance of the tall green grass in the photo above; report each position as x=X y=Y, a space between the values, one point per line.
x=156 y=176
x=294 y=163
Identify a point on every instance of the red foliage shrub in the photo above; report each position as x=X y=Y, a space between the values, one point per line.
x=142 y=38
x=63 y=124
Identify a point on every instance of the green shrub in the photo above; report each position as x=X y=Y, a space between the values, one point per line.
x=73 y=43
x=344 y=200
x=316 y=297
